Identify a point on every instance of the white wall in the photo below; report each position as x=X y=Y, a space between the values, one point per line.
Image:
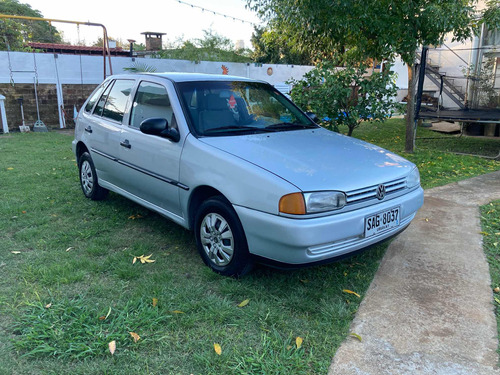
x=61 y=69
x=76 y=69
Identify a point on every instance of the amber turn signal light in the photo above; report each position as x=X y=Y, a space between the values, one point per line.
x=293 y=204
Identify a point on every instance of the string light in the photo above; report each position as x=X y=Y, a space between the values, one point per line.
x=217 y=13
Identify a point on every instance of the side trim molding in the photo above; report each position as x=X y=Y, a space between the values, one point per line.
x=142 y=170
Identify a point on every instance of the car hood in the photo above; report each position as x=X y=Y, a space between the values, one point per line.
x=316 y=159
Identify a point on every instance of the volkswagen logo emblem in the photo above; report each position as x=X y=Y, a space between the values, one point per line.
x=380 y=192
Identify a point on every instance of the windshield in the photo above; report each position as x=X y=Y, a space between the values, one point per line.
x=234 y=107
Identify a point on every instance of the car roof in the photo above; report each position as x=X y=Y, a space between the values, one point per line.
x=191 y=77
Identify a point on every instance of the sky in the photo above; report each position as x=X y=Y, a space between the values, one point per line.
x=125 y=20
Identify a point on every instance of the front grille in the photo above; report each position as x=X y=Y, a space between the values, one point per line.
x=365 y=194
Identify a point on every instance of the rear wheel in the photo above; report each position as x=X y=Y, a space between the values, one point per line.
x=88 y=179
x=220 y=238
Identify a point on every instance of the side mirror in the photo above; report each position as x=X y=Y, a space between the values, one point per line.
x=154 y=125
x=172 y=134
x=313 y=117
x=159 y=126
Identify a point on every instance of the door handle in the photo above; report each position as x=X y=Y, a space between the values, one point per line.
x=126 y=144
x=88 y=129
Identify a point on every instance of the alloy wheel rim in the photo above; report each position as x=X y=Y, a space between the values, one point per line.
x=217 y=239
x=86 y=177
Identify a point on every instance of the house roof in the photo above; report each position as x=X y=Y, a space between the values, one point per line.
x=72 y=49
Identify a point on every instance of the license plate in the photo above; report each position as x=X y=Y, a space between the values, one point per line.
x=382 y=221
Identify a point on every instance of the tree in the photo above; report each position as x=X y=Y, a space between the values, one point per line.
x=212 y=47
x=346 y=96
x=17 y=32
x=377 y=29
x=119 y=42
x=269 y=48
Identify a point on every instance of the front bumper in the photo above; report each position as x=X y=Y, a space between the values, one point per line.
x=304 y=241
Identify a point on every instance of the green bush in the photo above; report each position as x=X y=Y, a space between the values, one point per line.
x=346 y=95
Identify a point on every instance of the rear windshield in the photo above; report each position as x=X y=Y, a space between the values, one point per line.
x=235 y=107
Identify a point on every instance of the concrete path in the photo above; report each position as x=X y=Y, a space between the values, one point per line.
x=429 y=309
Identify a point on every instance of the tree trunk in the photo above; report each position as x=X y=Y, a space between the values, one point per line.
x=410 y=110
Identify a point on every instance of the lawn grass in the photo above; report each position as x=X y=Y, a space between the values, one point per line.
x=490 y=223
x=74 y=268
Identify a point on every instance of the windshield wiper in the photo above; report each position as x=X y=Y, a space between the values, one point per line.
x=290 y=125
x=236 y=128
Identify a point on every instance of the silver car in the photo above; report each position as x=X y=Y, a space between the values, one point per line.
x=237 y=162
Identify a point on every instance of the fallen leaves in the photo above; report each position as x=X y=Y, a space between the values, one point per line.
x=135 y=336
x=10 y=169
x=352 y=334
x=351 y=292
x=298 y=342
x=112 y=347
x=155 y=302
x=143 y=259
x=105 y=317
x=47 y=306
x=178 y=312
x=137 y=216
x=244 y=303
x=217 y=349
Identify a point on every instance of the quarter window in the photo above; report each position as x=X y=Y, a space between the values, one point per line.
x=102 y=100
x=94 y=97
x=150 y=101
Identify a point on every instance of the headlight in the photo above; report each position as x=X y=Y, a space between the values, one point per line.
x=309 y=203
x=413 y=178
x=324 y=201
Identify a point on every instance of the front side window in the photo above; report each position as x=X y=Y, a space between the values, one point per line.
x=151 y=100
x=116 y=102
x=225 y=107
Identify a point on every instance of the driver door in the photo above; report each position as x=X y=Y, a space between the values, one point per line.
x=152 y=161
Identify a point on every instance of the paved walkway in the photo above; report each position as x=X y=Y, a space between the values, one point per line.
x=429 y=309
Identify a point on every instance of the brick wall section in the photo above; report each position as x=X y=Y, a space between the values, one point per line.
x=75 y=95
x=47 y=102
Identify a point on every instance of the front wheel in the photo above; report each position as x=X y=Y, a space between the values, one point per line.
x=88 y=179
x=220 y=238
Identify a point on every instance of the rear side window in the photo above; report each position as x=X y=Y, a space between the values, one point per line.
x=93 y=99
x=116 y=101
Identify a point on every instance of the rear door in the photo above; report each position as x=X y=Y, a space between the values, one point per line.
x=103 y=128
x=152 y=161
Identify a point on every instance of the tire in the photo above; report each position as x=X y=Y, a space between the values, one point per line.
x=88 y=179
x=220 y=238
